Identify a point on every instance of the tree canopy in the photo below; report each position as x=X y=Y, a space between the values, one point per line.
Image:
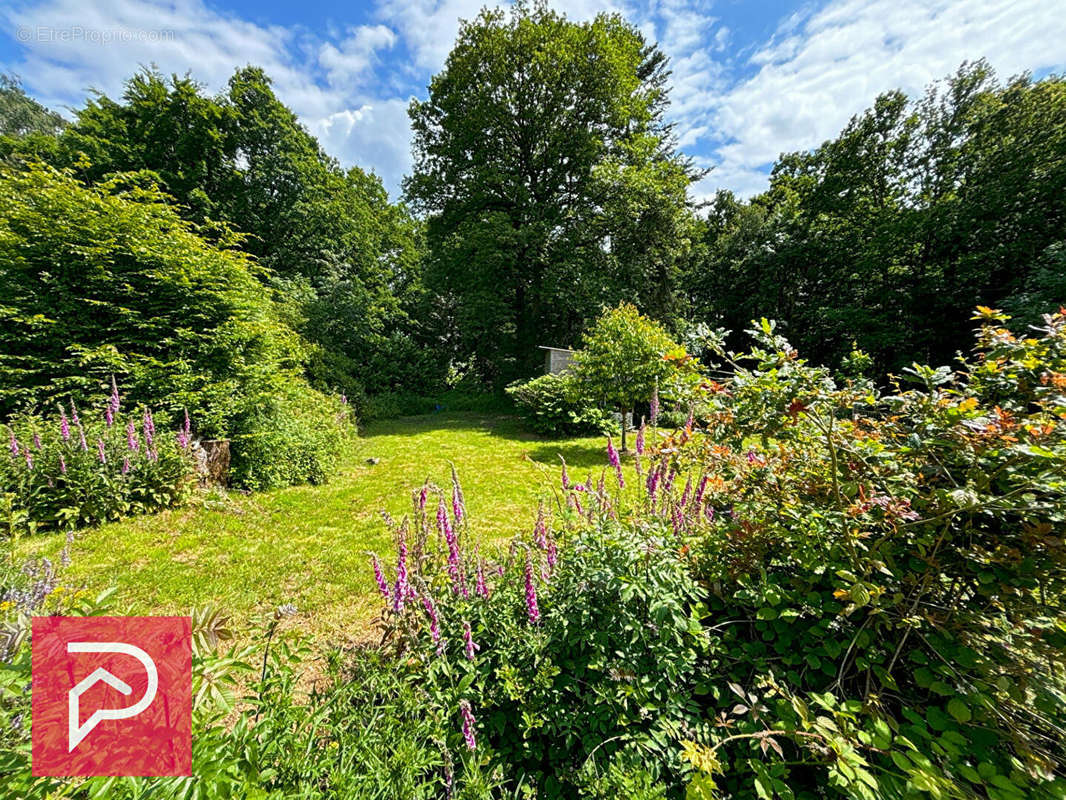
x=890 y=234
x=549 y=181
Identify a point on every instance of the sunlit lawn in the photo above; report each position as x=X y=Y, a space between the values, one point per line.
x=308 y=545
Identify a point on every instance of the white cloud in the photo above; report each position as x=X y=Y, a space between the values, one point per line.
x=830 y=66
x=352 y=59
x=351 y=85
x=375 y=136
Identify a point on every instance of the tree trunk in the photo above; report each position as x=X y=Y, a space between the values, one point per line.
x=623 y=410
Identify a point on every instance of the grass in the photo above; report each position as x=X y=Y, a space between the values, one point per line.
x=308 y=544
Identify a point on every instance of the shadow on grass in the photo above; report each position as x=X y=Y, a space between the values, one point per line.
x=577 y=455
x=507 y=426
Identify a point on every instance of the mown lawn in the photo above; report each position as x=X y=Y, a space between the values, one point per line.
x=308 y=545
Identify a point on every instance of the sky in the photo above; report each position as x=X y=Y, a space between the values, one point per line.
x=751 y=78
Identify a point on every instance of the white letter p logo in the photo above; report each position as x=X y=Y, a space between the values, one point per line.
x=76 y=732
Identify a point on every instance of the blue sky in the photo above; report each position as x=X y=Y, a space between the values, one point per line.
x=751 y=79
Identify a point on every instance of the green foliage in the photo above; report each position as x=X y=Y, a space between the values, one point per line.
x=626 y=358
x=554 y=405
x=101 y=281
x=91 y=475
x=294 y=435
x=549 y=180
x=25 y=125
x=360 y=734
x=345 y=259
x=589 y=690
x=887 y=574
x=891 y=232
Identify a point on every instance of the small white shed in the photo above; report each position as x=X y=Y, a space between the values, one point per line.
x=556 y=359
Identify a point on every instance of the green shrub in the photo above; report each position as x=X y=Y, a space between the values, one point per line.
x=83 y=469
x=886 y=574
x=360 y=733
x=293 y=434
x=109 y=281
x=554 y=405
x=576 y=663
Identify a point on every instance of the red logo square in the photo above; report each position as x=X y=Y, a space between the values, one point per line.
x=112 y=696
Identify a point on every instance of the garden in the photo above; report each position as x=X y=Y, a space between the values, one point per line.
x=747 y=544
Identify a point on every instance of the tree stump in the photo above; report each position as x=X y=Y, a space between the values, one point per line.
x=212 y=458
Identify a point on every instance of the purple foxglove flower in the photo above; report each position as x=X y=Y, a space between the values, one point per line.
x=612 y=454
x=114 y=402
x=698 y=499
x=668 y=481
x=653 y=483
x=81 y=439
x=458 y=507
x=687 y=493
x=653 y=410
x=344 y=399
x=640 y=439
x=109 y=416
x=454 y=559
x=62 y=465
x=677 y=520
x=531 y=593
x=540 y=528
x=14 y=444
x=423 y=493
x=481 y=588
x=74 y=414
x=565 y=476
x=148 y=424
x=709 y=513
x=403 y=589
x=552 y=551
x=131 y=437
x=752 y=458
x=468 y=725
x=64 y=425
x=379 y=576
x=100 y=451
x=125 y=465
x=468 y=641
x=29 y=458
x=434 y=622
x=36 y=441
x=183 y=440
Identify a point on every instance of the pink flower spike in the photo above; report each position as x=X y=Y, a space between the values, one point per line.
x=532 y=609
x=468 y=725
x=468 y=640
x=379 y=577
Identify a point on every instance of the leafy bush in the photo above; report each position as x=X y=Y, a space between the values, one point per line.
x=561 y=667
x=359 y=734
x=627 y=358
x=291 y=435
x=72 y=471
x=886 y=574
x=554 y=405
x=109 y=280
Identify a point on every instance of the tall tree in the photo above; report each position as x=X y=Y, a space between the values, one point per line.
x=345 y=259
x=550 y=182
